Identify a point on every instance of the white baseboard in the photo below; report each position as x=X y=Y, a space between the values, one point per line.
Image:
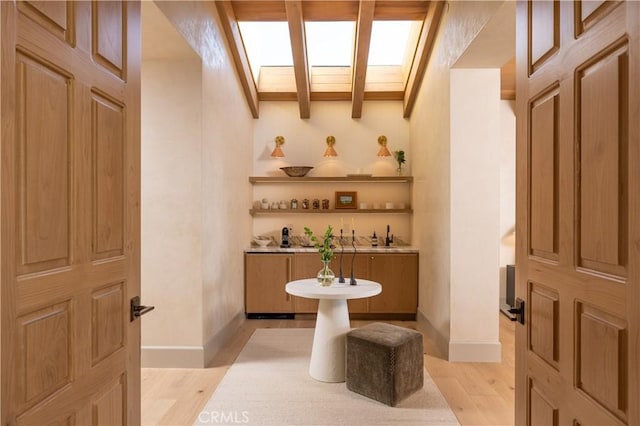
x=474 y=351
x=172 y=357
x=222 y=338
x=190 y=356
x=425 y=326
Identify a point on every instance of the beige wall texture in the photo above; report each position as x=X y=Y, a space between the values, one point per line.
x=357 y=147
x=430 y=136
x=194 y=185
x=475 y=214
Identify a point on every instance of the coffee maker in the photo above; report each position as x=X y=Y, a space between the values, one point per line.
x=285 y=238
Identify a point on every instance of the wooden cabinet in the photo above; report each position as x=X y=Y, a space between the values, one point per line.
x=267 y=273
x=306 y=265
x=265 y=277
x=398 y=275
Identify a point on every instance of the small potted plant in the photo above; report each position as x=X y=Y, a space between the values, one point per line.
x=399 y=156
x=325 y=275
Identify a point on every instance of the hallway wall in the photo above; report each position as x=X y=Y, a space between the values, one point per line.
x=430 y=136
x=220 y=161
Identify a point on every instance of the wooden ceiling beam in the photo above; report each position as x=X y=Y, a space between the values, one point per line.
x=423 y=53
x=330 y=10
x=299 y=49
x=232 y=32
x=401 y=10
x=265 y=10
x=337 y=10
x=361 y=57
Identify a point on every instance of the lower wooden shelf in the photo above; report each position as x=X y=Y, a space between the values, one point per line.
x=257 y=212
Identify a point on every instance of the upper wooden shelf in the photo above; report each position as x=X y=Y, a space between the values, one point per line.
x=287 y=179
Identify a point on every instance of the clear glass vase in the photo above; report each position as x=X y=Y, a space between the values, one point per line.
x=326 y=275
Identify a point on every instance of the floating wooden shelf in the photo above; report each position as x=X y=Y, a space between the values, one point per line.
x=286 y=179
x=255 y=212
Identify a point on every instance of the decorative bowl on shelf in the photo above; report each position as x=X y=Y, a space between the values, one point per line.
x=296 y=171
x=262 y=241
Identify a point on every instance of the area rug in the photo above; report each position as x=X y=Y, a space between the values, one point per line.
x=269 y=384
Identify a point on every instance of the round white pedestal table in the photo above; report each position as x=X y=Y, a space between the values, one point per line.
x=332 y=324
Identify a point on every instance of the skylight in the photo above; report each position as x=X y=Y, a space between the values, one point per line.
x=330 y=43
x=391 y=41
x=266 y=44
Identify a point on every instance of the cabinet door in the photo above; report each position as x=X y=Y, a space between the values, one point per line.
x=306 y=265
x=398 y=275
x=265 y=278
x=360 y=271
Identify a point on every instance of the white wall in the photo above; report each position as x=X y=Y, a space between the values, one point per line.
x=305 y=140
x=431 y=151
x=210 y=173
x=475 y=214
x=172 y=203
x=357 y=147
x=507 y=191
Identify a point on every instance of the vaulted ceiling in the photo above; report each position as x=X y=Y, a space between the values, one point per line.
x=358 y=82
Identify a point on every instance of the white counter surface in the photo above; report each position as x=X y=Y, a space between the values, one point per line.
x=336 y=251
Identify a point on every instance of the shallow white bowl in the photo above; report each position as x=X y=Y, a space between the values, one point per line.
x=262 y=242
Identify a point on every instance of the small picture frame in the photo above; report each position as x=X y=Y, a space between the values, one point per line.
x=346 y=200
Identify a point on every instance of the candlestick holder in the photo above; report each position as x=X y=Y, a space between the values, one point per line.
x=353 y=281
x=341 y=277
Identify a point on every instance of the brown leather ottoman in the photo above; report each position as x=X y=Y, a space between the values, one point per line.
x=384 y=362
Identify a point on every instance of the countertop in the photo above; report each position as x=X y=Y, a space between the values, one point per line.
x=347 y=249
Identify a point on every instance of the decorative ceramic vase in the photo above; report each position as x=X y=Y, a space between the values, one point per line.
x=326 y=275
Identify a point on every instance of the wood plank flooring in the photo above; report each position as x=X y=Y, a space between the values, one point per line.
x=478 y=393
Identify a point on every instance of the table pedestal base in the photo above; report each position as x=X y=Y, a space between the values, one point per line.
x=328 y=353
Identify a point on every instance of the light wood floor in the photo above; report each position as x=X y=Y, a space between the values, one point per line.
x=478 y=393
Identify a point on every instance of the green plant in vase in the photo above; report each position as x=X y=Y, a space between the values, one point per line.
x=325 y=275
x=399 y=156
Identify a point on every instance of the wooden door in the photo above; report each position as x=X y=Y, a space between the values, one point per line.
x=398 y=275
x=265 y=278
x=578 y=213
x=69 y=235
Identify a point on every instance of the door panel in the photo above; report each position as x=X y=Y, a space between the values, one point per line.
x=108 y=320
x=601 y=363
x=107 y=121
x=543 y=184
x=544 y=35
x=69 y=234
x=543 y=413
x=109 y=35
x=108 y=408
x=578 y=222
x=590 y=12
x=57 y=17
x=44 y=357
x=544 y=324
x=602 y=89
x=43 y=106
